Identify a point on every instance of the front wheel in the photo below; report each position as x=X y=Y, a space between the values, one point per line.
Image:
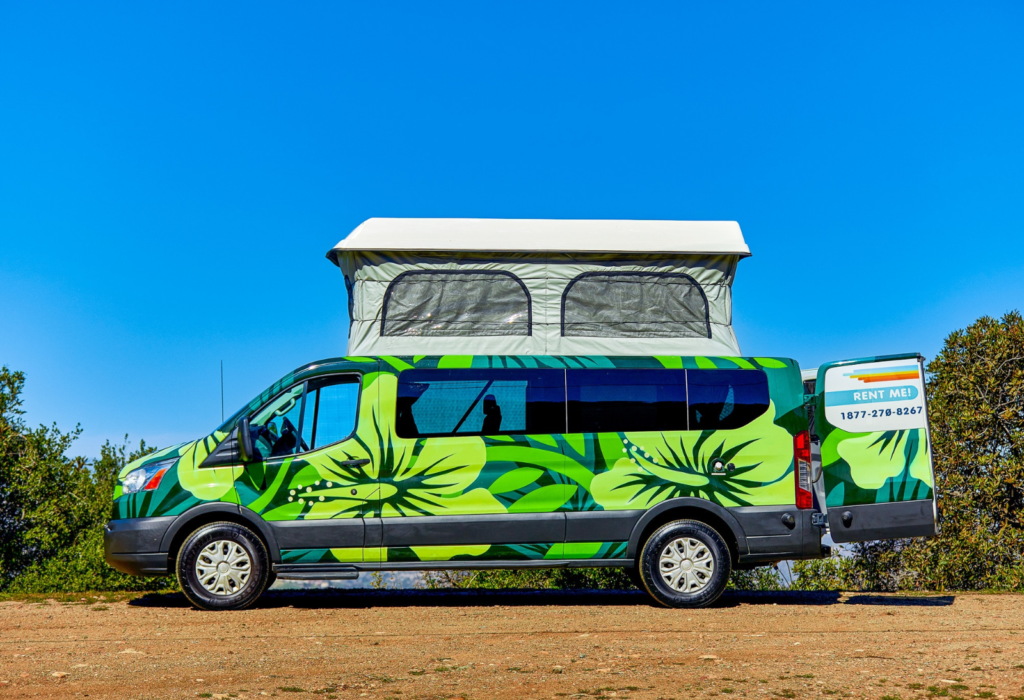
x=685 y=564
x=223 y=566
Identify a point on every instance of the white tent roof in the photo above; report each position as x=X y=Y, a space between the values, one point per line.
x=545 y=235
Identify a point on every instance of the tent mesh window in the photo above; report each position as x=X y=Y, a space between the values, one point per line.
x=456 y=303
x=635 y=305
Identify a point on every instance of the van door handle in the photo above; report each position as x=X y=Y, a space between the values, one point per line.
x=353 y=463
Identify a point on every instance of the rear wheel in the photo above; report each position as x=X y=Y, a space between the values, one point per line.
x=685 y=564
x=223 y=566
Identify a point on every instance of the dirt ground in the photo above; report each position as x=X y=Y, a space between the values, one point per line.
x=420 y=644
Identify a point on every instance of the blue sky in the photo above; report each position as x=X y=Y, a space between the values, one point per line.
x=171 y=176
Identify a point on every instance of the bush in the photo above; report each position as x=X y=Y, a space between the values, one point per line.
x=53 y=507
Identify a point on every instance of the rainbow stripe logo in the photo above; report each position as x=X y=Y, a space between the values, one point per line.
x=887 y=374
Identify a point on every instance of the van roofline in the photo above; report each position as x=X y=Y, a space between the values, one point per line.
x=350 y=358
x=596 y=236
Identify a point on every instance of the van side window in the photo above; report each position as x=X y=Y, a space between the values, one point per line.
x=330 y=411
x=723 y=399
x=275 y=427
x=620 y=400
x=447 y=402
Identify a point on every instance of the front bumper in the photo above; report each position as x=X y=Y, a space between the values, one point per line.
x=132 y=546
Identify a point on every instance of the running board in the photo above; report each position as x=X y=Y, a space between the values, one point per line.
x=314 y=572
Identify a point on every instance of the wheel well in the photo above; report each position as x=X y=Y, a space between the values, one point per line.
x=689 y=513
x=205 y=519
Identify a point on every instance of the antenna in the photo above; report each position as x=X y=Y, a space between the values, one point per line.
x=222 y=391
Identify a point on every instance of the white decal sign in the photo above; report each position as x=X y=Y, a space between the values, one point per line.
x=875 y=396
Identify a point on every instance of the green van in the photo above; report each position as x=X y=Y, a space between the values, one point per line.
x=677 y=468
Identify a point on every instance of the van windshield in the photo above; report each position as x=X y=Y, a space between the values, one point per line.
x=264 y=396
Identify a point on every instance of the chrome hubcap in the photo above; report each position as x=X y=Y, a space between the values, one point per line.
x=686 y=565
x=223 y=567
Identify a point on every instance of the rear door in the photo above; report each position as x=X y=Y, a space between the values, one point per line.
x=872 y=420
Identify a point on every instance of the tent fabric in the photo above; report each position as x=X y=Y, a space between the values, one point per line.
x=546 y=276
x=545 y=235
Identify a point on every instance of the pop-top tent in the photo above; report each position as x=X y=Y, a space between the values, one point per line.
x=540 y=287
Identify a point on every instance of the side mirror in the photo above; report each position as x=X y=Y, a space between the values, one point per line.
x=246 y=449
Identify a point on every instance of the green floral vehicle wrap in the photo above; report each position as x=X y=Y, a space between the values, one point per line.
x=874 y=467
x=377 y=473
x=466 y=553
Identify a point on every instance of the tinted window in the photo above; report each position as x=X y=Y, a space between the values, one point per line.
x=275 y=427
x=619 y=400
x=330 y=410
x=721 y=399
x=442 y=402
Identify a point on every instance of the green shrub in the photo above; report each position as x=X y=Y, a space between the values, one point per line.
x=53 y=507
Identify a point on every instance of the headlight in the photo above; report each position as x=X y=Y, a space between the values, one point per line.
x=146 y=478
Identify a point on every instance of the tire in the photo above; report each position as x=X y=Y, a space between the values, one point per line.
x=226 y=587
x=700 y=549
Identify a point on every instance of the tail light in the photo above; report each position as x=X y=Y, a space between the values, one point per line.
x=802 y=461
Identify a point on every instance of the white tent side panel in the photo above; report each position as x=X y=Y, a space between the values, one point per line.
x=546 y=277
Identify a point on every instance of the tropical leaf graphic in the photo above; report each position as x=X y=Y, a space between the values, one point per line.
x=879 y=467
x=653 y=467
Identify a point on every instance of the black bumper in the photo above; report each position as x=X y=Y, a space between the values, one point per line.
x=132 y=546
x=775 y=533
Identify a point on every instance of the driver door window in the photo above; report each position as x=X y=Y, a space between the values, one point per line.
x=307 y=417
x=275 y=429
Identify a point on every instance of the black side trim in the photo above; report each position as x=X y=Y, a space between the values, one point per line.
x=314 y=572
x=525 y=528
x=882 y=521
x=604 y=273
x=503 y=273
x=374 y=533
x=601 y=525
x=683 y=504
x=316 y=534
x=226 y=452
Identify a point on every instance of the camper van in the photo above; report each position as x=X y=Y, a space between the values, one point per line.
x=535 y=394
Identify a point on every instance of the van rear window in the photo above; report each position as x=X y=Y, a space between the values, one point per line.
x=620 y=400
x=723 y=399
x=448 y=402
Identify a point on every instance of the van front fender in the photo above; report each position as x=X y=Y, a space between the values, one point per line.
x=211 y=512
